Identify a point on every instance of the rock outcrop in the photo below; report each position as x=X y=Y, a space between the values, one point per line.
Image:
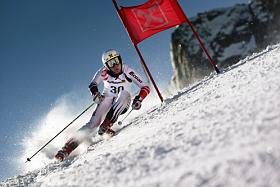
x=229 y=34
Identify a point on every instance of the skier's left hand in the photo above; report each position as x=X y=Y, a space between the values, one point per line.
x=136 y=104
x=97 y=98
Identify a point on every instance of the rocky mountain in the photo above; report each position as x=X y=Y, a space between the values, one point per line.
x=229 y=34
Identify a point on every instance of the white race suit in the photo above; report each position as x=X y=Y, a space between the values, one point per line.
x=117 y=95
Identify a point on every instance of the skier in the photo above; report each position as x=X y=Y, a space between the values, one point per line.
x=113 y=102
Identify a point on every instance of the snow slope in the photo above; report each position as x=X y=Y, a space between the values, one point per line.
x=221 y=131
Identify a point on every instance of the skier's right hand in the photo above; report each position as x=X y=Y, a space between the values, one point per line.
x=97 y=98
x=136 y=104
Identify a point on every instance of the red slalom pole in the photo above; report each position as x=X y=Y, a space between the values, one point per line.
x=149 y=73
x=139 y=54
x=202 y=46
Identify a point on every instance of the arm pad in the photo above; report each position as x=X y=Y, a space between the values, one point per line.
x=144 y=92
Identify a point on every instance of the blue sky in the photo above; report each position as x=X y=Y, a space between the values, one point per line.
x=50 y=48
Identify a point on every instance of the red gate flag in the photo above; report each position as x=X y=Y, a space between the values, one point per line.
x=154 y=16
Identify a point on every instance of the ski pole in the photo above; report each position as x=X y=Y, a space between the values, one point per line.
x=120 y=122
x=29 y=159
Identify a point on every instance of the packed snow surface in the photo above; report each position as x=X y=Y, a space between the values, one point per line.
x=221 y=131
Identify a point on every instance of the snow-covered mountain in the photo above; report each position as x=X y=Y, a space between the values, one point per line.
x=221 y=131
x=229 y=34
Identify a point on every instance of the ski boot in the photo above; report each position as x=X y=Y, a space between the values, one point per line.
x=66 y=149
x=105 y=128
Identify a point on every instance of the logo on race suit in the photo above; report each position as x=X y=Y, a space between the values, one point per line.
x=135 y=76
x=116 y=82
x=150 y=18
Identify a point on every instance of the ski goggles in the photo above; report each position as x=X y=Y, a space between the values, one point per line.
x=112 y=62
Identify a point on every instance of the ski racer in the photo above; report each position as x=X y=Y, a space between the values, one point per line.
x=115 y=100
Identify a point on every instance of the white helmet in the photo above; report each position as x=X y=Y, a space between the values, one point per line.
x=110 y=58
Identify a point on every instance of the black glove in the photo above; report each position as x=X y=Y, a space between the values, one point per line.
x=136 y=104
x=97 y=98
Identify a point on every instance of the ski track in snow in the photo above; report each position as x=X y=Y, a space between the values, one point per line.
x=221 y=131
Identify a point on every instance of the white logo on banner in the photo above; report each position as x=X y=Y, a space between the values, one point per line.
x=150 y=20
